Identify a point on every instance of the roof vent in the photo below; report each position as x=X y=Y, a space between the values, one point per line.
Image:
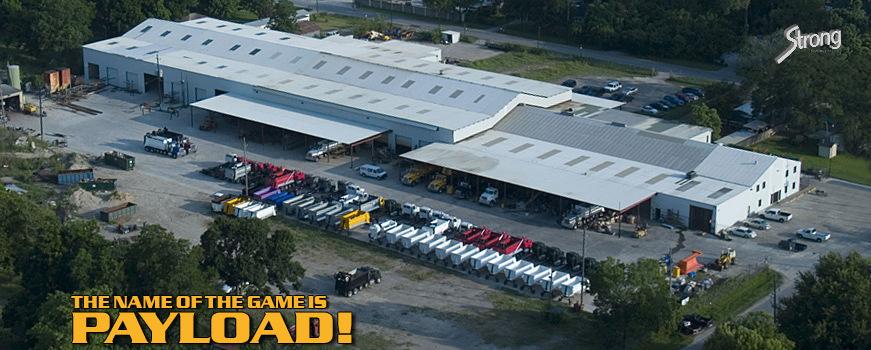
x=691 y=174
x=622 y=125
x=441 y=72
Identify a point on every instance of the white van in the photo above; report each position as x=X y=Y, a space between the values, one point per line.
x=373 y=171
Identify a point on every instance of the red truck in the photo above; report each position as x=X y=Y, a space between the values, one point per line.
x=510 y=245
x=473 y=234
x=485 y=242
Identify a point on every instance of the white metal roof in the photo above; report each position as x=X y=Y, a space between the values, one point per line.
x=285 y=117
x=651 y=124
x=578 y=174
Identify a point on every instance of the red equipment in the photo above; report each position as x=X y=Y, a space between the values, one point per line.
x=491 y=240
x=510 y=245
x=472 y=234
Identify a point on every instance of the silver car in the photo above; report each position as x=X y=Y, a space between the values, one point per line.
x=758 y=224
x=814 y=235
x=742 y=232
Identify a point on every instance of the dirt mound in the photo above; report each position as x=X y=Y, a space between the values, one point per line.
x=75 y=161
x=122 y=196
x=85 y=201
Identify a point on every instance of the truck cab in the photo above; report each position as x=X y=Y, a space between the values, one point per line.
x=776 y=215
x=489 y=197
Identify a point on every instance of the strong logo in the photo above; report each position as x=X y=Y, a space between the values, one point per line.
x=793 y=34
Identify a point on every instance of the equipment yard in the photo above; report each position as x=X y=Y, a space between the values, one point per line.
x=417 y=304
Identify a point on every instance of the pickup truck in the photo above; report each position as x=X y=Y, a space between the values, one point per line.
x=792 y=245
x=813 y=235
x=776 y=215
x=695 y=323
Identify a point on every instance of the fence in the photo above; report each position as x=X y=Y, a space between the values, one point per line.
x=762 y=136
x=402 y=6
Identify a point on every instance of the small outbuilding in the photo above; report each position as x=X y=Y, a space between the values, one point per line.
x=450 y=37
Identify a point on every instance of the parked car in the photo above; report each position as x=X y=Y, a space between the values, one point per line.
x=373 y=171
x=814 y=235
x=668 y=103
x=570 y=83
x=630 y=90
x=649 y=109
x=684 y=97
x=618 y=96
x=660 y=106
x=589 y=90
x=776 y=215
x=742 y=232
x=758 y=224
x=613 y=86
x=674 y=100
x=694 y=90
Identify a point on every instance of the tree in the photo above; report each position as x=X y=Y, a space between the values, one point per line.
x=53 y=330
x=284 y=17
x=178 y=9
x=632 y=301
x=61 y=25
x=440 y=6
x=262 y=8
x=830 y=308
x=242 y=251
x=116 y=17
x=708 y=117
x=755 y=331
x=159 y=264
x=222 y=9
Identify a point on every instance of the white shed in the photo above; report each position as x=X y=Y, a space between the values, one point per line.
x=450 y=37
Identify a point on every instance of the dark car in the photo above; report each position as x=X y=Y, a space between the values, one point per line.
x=660 y=106
x=668 y=103
x=684 y=97
x=694 y=90
x=618 y=96
x=589 y=90
x=570 y=83
x=674 y=100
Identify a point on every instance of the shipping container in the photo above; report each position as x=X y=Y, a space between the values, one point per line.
x=75 y=176
x=120 y=211
x=99 y=185
x=64 y=79
x=52 y=80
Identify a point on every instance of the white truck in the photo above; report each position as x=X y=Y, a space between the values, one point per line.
x=322 y=149
x=776 y=215
x=489 y=197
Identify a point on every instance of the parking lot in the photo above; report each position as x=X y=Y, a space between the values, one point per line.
x=173 y=193
x=650 y=89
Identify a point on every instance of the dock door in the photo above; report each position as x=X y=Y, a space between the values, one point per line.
x=701 y=218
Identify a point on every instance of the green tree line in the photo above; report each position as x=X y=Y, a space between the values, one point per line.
x=48 y=261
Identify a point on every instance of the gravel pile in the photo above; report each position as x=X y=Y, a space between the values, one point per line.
x=85 y=201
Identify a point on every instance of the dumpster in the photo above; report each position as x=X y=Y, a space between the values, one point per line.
x=114 y=213
x=119 y=160
x=75 y=176
x=99 y=185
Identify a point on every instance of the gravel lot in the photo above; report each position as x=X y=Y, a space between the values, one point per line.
x=173 y=193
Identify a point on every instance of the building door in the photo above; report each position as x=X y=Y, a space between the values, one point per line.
x=152 y=83
x=132 y=81
x=112 y=76
x=701 y=219
x=93 y=71
x=658 y=214
x=403 y=144
x=775 y=197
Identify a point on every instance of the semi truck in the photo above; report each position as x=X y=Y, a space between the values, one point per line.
x=351 y=282
x=173 y=144
x=323 y=149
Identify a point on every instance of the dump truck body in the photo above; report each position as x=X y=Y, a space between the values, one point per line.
x=461 y=255
x=444 y=250
x=348 y=283
x=480 y=260
x=116 y=212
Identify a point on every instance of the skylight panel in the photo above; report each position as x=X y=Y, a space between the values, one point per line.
x=343 y=70
x=407 y=84
x=478 y=99
x=235 y=47
x=387 y=80
x=254 y=52
x=166 y=33
x=456 y=93
x=208 y=41
x=275 y=55
x=366 y=74
x=435 y=89
x=145 y=29
x=186 y=37
x=319 y=65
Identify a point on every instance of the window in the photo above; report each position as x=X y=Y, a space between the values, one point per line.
x=757 y=188
x=254 y=52
x=166 y=33
x=763 y=185
x=145 y=29
x=787 y=172
x=208 y=41
x=794 y=169
x=186 y=37
x=235 y=47
x=760 y=202
x=793 y=185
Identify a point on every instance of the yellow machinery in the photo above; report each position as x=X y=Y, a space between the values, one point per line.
x=230 y=205
x=640 y=231
x=416 y=174
x=29 y=108
x=354 y=219
x=728 y=257
x=439 y=183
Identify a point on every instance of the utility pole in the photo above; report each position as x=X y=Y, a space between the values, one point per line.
x=41 y=114
x=159 y=85
x=245 y=164
x=584 y=284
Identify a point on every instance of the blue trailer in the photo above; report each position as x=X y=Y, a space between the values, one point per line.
x=75 y=176
x=279 y=202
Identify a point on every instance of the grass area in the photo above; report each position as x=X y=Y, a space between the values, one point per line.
x=388 y=14
x=845 y=166
x=512 y=310
x=547 y=66
x=468 y=38
x=689 y=81
x=243 y=16
x=685 y=63
x=524 y=31
x=329 y=21
x=729 y=298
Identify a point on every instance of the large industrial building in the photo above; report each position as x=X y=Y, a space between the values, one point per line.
x=530 y=134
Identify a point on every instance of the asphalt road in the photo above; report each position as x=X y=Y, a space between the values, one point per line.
x=346 y=7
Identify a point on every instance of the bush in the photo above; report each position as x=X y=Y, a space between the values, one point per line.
x=468 y=38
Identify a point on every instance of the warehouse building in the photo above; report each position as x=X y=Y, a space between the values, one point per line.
x=498 y=127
